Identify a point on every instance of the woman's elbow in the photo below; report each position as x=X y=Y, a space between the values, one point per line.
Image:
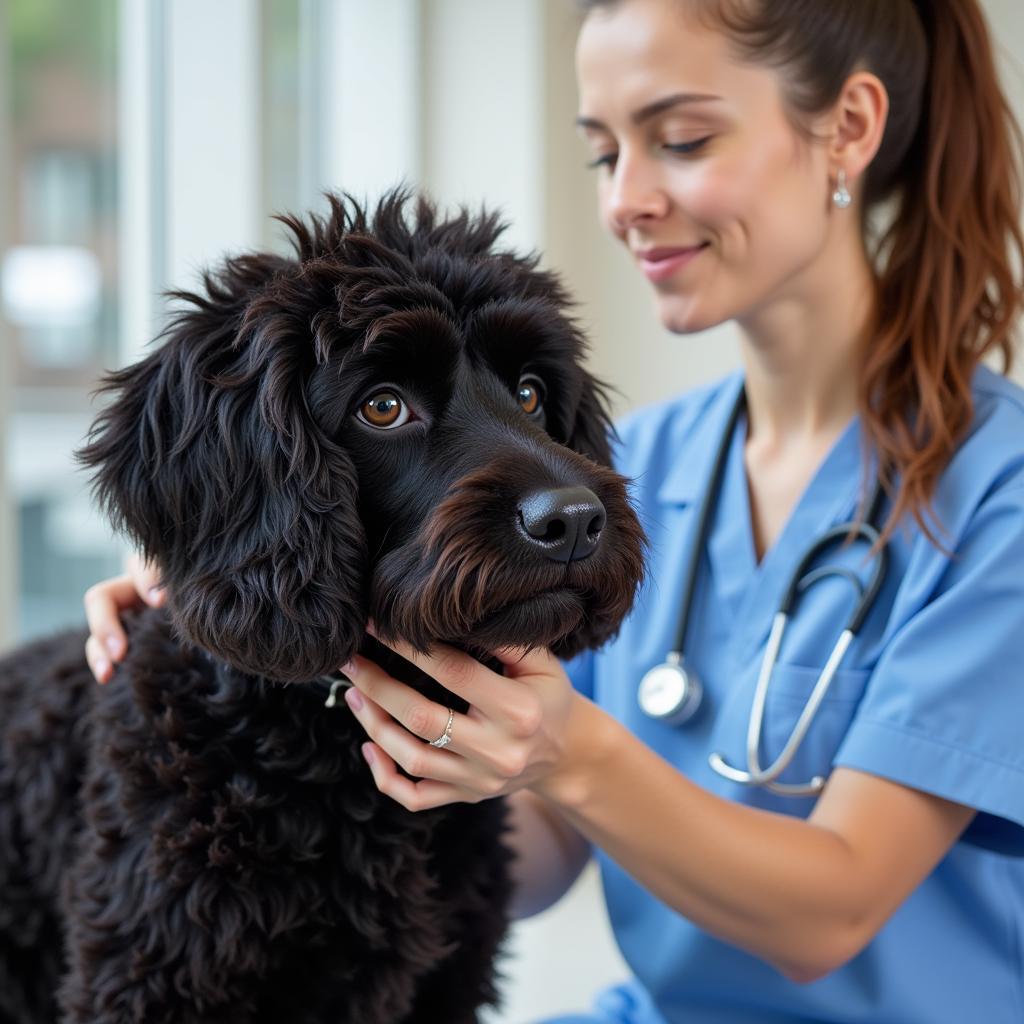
x=805 y=974
x=825 y=954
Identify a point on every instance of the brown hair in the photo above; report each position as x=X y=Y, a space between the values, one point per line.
x=948 y=292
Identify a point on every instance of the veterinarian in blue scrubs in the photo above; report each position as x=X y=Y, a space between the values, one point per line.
x=894 y=892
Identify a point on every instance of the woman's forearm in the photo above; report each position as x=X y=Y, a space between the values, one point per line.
x=776 y=886
x=550 y=853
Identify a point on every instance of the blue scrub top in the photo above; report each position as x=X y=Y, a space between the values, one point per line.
x=930 y=695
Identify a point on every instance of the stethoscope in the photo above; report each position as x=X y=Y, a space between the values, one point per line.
x=672 y=693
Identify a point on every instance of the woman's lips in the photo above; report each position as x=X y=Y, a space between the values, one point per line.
x=659 y=264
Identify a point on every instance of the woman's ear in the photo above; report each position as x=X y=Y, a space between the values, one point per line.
x=208 y=459
x=856 y=124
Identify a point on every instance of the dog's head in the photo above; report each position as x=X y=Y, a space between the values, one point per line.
x=394 y=423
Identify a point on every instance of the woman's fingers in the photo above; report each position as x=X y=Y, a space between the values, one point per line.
x=412 y=753
x=413 y=795
x=497 y=697
x=415 y=713
x=146 y=579
x=521 y=662
x=104 y=603
x=510 y=733
x=98 y=660
x=410 y=722
x=453 y=669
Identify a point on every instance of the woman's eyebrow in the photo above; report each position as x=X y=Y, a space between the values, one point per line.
x=645 y=113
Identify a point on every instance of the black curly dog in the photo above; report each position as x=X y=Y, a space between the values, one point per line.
x=394 y=423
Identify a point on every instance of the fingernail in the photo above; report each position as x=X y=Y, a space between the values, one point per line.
x=102 y=668
x=354 y=699
x=156 y=596
x=349 y=668
x=367 y=753
x=113 y=644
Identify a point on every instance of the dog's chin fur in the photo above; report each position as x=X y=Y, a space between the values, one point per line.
x=208 y=844
x=549 y=619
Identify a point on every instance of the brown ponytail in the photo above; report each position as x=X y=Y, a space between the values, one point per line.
x=948 y=290
x=951 y=160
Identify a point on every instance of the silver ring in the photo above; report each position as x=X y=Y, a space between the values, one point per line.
x=445 y=738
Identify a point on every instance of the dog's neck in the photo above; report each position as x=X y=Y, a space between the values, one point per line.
x=329 y=687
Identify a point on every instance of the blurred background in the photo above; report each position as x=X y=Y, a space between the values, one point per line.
x=141 y=139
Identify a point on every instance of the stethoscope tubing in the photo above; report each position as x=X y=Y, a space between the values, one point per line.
x=803 y=578
x=801 y=582
x=767 y=777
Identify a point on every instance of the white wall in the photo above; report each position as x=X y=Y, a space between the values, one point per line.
x=212 y=132
x=372 y=122
x=483 y=111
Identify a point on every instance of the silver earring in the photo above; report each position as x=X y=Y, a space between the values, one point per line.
x=841 y=197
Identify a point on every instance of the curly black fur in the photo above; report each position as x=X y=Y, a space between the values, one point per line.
x=200 y=841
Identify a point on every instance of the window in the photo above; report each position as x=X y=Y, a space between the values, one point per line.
x=59 y=294
x=140 y=141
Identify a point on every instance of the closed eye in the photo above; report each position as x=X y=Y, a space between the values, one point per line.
x=684 y=148
x=687 y=147
x=605 y=160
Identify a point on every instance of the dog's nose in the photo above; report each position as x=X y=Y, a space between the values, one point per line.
x=565 y=523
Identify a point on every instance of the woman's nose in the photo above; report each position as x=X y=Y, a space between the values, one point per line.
x=634 y=193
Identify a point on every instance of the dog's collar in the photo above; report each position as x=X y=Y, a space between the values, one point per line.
x=327 y=686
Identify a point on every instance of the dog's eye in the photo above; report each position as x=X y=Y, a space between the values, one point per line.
x=385 y=410
x=530 y=394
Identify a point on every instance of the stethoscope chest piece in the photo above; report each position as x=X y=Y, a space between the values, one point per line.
x=670 y=692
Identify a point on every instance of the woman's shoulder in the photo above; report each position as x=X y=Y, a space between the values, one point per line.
x=998 y=408
x=991 y=455
x=984 y=481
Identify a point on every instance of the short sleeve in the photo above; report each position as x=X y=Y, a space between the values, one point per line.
x=943 y=710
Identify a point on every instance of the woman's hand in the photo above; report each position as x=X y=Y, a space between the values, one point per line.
x=514 y=735
x=104 y=603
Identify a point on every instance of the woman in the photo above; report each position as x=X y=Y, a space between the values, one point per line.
x=740 y=146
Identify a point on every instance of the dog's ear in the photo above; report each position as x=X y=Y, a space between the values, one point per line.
x=592 y=430
x=207 y=457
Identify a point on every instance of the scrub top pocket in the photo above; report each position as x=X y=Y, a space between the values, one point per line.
x=788 y=693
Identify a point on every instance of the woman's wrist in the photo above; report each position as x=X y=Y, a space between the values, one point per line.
x=591 y=736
